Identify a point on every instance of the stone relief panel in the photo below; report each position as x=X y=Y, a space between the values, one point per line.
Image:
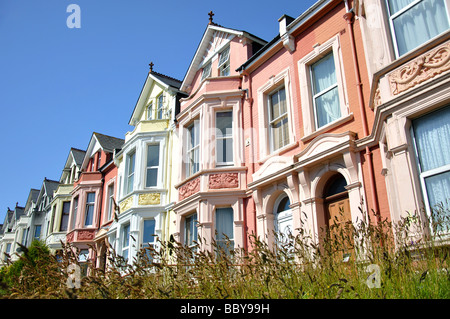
x=149 y=199
x=189 y=188
x=223 y=180
x=422 y=68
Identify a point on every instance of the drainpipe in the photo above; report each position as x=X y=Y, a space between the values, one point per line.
x=249 y=98
x=350 y=18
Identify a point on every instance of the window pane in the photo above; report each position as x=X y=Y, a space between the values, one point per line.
x=327 y=107
x=126 y=236
x=323 y=74
x=149 y=231
x=153 y=155
x=224 y=56
x=438 y=191
x=152 y=177
x=274 y=107
x=432 y=134
x=224 y=223
x=90 y=197
x=224 y=123
x=419 y=24
x=397 y=5
x=89 y=215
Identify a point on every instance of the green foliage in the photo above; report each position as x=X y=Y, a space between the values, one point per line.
x=300 y=267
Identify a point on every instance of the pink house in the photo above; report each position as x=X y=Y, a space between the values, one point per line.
x=92 y=205
x=213 y=174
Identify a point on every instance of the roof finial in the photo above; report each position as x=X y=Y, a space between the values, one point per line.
x=151 y=66
x=211 y=14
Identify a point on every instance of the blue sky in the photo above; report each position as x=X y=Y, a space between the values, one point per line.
x=58 y=85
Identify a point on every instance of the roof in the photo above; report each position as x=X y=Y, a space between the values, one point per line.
x=109 y=143
x=166 y=79
x=78 y=155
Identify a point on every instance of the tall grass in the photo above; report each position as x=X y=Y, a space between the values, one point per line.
x=338 y=265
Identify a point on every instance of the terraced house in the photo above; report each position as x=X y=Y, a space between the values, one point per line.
x=344 y=116
x=146 y=169
x=60 y=205
x=91 y=205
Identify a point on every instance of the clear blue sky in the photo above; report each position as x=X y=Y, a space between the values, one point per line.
x=58 y=85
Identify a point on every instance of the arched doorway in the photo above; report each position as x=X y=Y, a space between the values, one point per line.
x=338 y=216
x=283 y=217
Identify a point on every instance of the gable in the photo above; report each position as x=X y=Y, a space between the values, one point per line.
x=213 y=41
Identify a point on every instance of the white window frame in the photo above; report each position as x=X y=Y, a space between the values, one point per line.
x=186 y=239
x=153 y=167
x=206 y=71
x=271 y=121
x=150 y=111
x=128 y=174
x=306 y=87
x=153 y=243
x=89 y=204
x=224 y=67
x=110 y=201
x=263 y=93
x=392 y=17
x=191 y=149
x=160 y=107
x=127 y=248
x=231 y=239
x=223 y=138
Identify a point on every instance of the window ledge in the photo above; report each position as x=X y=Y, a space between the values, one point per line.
x=278 y=152
x=327 y=127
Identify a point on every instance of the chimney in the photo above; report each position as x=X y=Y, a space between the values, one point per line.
x=288 y=40
x=284 y=21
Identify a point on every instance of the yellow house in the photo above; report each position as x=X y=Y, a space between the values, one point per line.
x=145 y=193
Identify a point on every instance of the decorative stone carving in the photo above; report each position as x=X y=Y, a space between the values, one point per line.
x=223 y=180
x=189 y=188
x=69 y=237
x=423 y=68
x=85 y=235
x=149 y=199
x=377 y=101
x=126 y=204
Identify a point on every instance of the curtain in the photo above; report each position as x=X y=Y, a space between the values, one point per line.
x=418 y=24
x=325 y=91
x=432 y=133
x=224 y=227
x=432 y=136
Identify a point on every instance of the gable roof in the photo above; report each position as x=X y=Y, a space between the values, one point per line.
x=169 y=83
x=32 y=198
x=214 y=39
